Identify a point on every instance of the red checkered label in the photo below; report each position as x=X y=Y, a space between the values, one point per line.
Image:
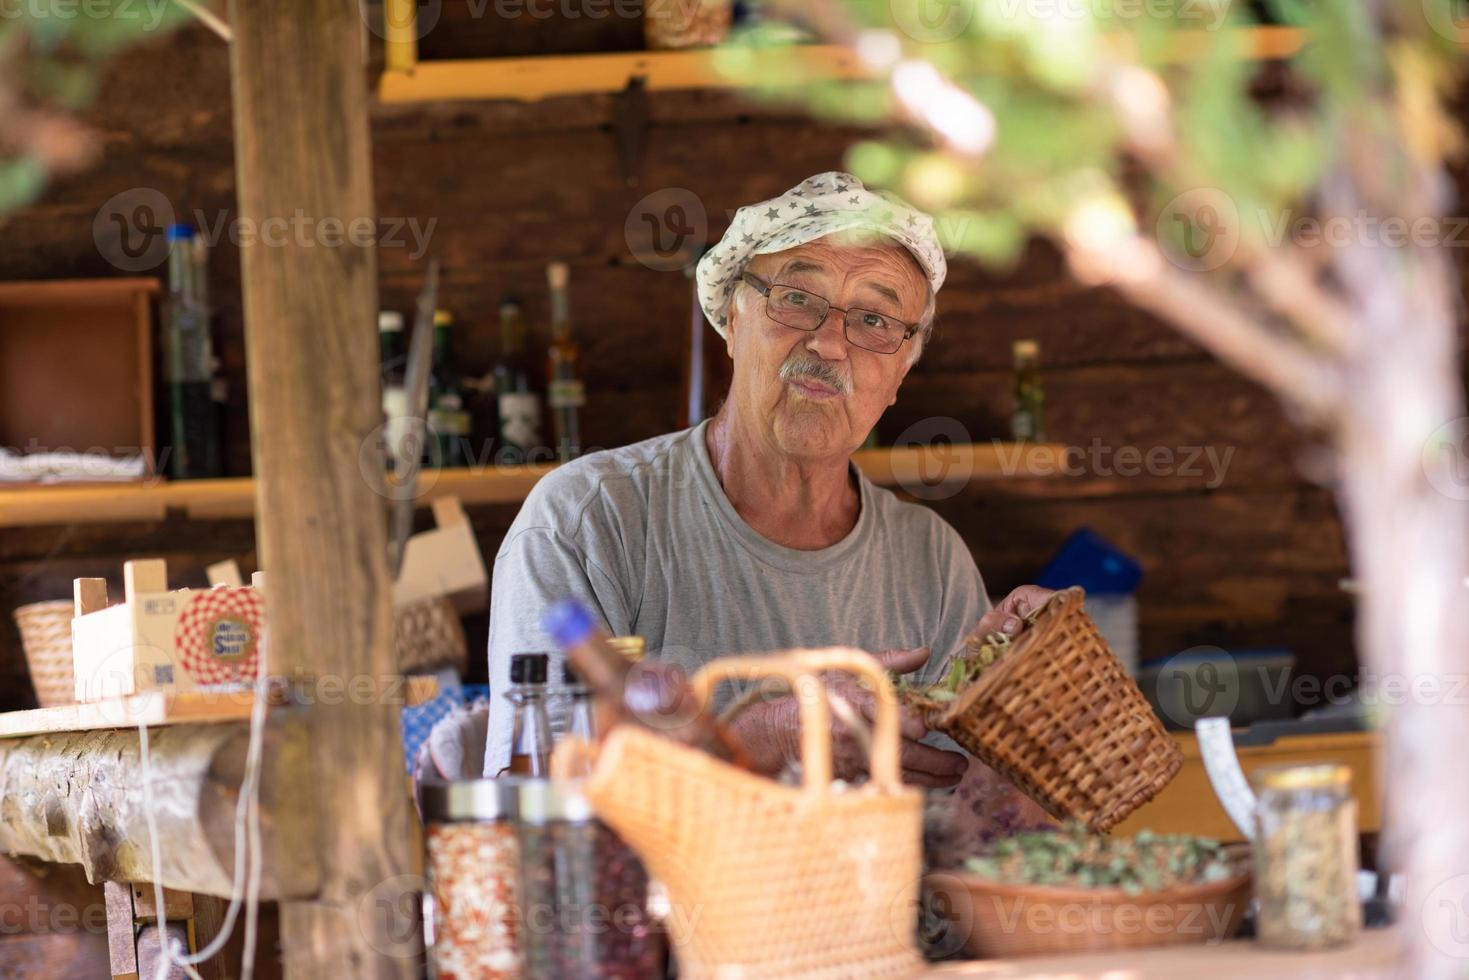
x=218 y=635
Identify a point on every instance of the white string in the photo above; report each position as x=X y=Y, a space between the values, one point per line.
x=211 y=20
x=257 y=857
x=244 y=808
x=248 y=860
x=165 y=945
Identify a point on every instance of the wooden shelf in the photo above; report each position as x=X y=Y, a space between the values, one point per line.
x=546 y=76
x=155 y=708
x=407 y=79
x=199 y=500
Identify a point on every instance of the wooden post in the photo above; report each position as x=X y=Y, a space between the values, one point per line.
x=309 y=283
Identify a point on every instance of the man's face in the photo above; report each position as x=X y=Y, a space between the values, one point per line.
x=814 y=393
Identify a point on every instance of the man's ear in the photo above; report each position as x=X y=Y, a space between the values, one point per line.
x=899 y=383
x=729 y=330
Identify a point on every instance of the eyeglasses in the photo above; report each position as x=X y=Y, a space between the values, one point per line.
x=801 y=310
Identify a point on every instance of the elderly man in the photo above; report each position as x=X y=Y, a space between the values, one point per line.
x=754 y=531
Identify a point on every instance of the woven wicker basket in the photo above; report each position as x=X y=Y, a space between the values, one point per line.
x=1059 y=717
x=45 y=632
x=430 y=635
x=767 y=880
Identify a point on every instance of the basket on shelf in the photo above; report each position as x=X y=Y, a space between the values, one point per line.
x=1059 y=716
x=430 y=635
x=818 y=880
x=45 y=632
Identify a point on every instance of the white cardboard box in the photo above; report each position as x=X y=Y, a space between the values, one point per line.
x=157 y=640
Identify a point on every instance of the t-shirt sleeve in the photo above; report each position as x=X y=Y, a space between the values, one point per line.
x=537 y=566
x=964 y=600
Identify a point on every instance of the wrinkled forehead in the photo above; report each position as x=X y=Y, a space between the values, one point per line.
x=877 y=262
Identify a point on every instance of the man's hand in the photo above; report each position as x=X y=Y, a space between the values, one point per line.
x=1012 y=610
x=771 y=730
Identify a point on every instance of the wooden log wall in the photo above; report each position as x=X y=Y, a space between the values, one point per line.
x=1249 y=556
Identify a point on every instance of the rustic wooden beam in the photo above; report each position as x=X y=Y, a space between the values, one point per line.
x=78 y=799
x=303 y=163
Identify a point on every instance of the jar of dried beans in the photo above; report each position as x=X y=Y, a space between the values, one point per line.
x=472 y=906
x=584 y=894
x=1306 y=857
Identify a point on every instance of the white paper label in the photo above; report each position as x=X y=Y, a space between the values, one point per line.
x=566 y=394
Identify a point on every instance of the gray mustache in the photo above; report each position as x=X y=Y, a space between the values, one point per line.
x=796 y=366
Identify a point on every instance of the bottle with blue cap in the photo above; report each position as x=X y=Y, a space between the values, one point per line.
x=652 y=694
x=188 y=362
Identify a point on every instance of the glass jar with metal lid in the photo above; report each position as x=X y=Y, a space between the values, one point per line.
x=1306 y=857
x=472 y=906
x=584 y=894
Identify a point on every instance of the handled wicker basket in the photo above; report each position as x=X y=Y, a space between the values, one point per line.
x=1060 y=718
x=766 y=880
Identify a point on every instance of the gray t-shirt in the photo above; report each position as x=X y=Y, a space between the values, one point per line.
x=645 y=537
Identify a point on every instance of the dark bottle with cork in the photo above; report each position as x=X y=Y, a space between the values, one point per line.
x=530 y=746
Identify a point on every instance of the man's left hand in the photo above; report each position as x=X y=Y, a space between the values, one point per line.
x=1008 y=616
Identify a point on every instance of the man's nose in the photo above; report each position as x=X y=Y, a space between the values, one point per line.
x=829 y=341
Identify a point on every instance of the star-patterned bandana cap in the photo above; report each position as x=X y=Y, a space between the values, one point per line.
x=827 y=204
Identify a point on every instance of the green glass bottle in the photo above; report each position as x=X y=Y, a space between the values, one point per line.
x=448 y=420
x=1026 y=424
x=517 y=404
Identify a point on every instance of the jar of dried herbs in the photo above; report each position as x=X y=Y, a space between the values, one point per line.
x=472 y=906
x=1306 y=857
x=584 y=894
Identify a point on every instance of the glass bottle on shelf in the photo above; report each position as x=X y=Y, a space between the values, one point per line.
x=564 y=391
x=518 y=405
x=1025 y=424
x=393 y=356
x=448 y=420
x=530 y=746
x=219 y=389
x=189 y=363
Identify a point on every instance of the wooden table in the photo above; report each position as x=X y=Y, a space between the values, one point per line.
x=1373 y=957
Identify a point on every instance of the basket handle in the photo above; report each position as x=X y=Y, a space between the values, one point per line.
x=802 y=669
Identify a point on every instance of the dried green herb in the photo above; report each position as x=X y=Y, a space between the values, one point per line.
x=980 y=653
x=1073 y=856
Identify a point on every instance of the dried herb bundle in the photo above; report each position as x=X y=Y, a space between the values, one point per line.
x=1075 y=857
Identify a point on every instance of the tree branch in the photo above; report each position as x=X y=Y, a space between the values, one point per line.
x=1312 y=384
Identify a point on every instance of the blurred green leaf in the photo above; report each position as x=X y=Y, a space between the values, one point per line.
x=21 y=181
